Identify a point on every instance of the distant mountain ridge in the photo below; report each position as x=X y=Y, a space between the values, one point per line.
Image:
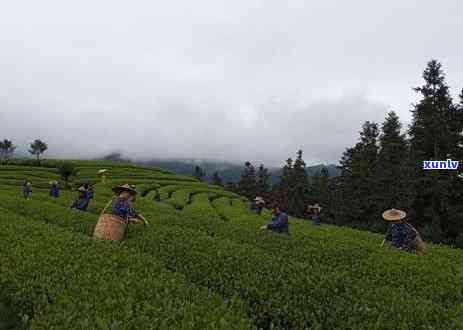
x=229 y=172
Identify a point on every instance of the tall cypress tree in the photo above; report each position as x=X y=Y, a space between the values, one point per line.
x=432 y=132
x=393 y=173
x=298 y=192
x=434 y=135
x=356 y=201
x=247 y=183
x=263 y=185
x=199 y=173
x=216 y=179
x=281 y=191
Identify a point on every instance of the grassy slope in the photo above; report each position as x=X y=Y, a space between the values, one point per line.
x=320 y=277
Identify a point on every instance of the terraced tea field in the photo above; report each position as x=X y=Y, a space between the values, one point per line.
x=204 y=264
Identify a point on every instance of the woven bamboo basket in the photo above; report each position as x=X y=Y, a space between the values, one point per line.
x=419 y=244
x=110 y=227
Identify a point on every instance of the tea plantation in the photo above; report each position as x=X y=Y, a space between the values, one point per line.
x=203 y=264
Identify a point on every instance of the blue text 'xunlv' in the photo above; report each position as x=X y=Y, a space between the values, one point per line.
x=440 y=164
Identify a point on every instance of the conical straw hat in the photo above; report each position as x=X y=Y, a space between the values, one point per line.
x=125 y=187
x=394 y=215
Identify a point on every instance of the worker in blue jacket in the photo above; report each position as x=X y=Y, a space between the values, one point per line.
x=123 y=205
x=399 y=233
x=82 y=201
x=314 y=211
x=279 y=222
x=27 y=189
x=157 y=195
x=54 y=189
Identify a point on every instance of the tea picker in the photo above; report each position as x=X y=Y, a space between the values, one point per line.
x=279 y=222
x=315 y=213
x=402 y=235
x=27 y=189
x=54 y=189
x=114 y=226
x=102 y=174
x=257 y=205
x=82 y=201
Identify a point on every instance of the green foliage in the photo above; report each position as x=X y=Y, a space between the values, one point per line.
x=263 y=182
x=61 y=280
x=292 y=193
x=38 y=147
x=199 y=173
x=216 y=179
x=207 y=265
x=6 y=151
x=247 y=184
x=67 y=171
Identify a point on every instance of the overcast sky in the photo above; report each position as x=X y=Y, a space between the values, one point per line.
x=229 y=80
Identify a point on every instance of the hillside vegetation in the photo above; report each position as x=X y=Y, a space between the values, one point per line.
x=204 y=264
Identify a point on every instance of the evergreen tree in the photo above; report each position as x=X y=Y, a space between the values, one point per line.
x=282 y=190
x=298 y=189
x=319 y=188
x=230 y=186
x=216 y=179
x=247 y=183
x=393 y=173
x=263 y=184
x=355 y=201
x=199 y=173
x=435 y=132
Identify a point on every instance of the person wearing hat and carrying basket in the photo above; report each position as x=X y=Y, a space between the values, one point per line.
x=114 y=226
x=122 y=207
x=400 y=234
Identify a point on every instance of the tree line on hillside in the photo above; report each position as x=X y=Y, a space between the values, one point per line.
x=383 y=170
x=7 y=148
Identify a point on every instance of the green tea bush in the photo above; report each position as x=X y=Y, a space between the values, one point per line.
x=57 y=279
x=319 y=277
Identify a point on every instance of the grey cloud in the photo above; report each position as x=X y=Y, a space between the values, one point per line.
x=232 y=80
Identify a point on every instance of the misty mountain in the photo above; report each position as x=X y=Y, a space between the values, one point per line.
x=229 y=172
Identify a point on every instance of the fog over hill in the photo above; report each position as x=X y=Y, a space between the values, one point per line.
x=228 y=171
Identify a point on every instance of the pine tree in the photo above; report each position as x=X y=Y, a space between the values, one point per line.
x=432 y=133
x=263 y=184
x=355 y=200
x=247 y=182
x=216 y=179
x=230 y=186
x=199 y=173
x=299 y=187
x=320 y=190
x=393 y=173
x=282 y=190
x=435 y=132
